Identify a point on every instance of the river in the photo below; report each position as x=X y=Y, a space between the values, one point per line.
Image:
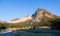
x=6 y=34
x=25 y=33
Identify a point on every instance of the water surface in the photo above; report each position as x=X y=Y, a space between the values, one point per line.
x=31 y=33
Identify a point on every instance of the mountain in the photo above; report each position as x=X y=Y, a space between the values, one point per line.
x=1 y=21
x=29 y=17
x=39 y=16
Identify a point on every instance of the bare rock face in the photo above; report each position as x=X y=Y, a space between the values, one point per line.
x=38 y=16
x=18 y=20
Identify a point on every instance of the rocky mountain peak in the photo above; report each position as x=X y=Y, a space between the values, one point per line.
x=40 y=10
x=41 y=14
x=38 y=16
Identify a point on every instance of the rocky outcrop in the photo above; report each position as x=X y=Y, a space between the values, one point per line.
x=38 y=16
x=21 y=19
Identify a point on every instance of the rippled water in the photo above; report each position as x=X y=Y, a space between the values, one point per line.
x=24 y=33
x=37 y=34
x=31 y=34
x=6 y=34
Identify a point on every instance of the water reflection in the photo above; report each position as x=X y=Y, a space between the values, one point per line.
x=6 y=34
x=28 y=33
x=37 y=34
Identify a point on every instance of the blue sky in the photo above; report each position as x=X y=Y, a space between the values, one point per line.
x=10 y=9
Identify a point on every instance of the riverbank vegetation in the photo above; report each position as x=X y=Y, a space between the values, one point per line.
x=47 y=22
